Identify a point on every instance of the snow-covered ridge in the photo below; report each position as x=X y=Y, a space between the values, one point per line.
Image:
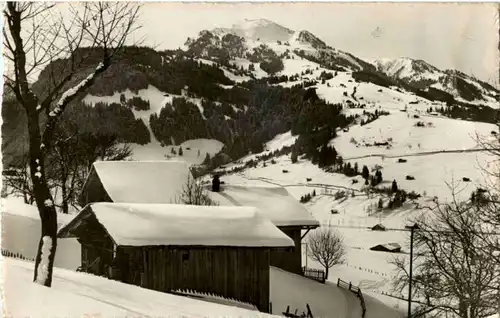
x=423 y=75
x=405 y=67
x=258 y=29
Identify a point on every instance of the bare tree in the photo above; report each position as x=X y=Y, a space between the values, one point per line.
x=39 y=35
x=18 y=182
x=72 y=157
x=326 y=246
x=454 y=272
x=193 y=193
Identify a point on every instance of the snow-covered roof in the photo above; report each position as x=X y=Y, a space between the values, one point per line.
x=378 y=226
x=142 y=181
x=389 y=246
x=132 y=224
x=274 y=202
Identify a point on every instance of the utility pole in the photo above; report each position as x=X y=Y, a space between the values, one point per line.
x=412 y=230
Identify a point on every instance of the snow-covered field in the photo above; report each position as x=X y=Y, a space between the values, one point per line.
x=405 y=138
x=83 y=295
x=325 y=300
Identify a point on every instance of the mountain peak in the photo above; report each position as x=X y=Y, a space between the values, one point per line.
x=263 y=30
x=314 y=41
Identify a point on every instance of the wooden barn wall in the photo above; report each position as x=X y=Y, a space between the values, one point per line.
x=94 y=190
x=96 y=244
x=289 y=259
x=236 y=273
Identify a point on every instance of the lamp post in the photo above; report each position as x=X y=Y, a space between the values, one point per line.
x=412 y=229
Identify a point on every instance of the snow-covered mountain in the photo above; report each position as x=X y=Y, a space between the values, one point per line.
x=423 y=75
x=263 y=40
x=259 y=30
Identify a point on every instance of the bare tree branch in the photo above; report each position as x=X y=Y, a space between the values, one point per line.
x=326 y=247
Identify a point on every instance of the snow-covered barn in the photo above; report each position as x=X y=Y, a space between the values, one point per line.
x=389 y=247
x=135 y=182
x=281 y=208
x=166 y=247
x=379 y=227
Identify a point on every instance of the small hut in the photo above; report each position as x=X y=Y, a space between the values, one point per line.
x=217 y=250
x=276 y=204
x=135 y=182
x=379 y=227
x=390 y=247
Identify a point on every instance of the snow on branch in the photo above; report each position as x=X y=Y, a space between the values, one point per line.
x=70 y=93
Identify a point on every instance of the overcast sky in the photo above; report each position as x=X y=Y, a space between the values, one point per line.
x=460 y=36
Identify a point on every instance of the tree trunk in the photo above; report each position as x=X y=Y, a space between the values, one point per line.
x=64 y=197
x=48 y=241
x=326 y=272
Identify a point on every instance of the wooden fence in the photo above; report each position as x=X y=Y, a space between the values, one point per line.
x=7 y=253
x=356 y=290
x=315 y=274
x=307 y=314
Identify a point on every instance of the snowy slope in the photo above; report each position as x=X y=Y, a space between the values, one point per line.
x=153 y=150
x=83 y=295
x=21 y=233
x=325 y=300
x=443 y=152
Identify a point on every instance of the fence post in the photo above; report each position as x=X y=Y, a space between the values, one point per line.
x=350 y=285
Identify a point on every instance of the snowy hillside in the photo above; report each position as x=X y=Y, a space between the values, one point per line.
x=194 y=150
x=79 y=294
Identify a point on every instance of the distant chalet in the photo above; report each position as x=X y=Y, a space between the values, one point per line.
x=135 y=182
x=379 y=227
x=279 y=207
x=390 y=247
x=218 y=250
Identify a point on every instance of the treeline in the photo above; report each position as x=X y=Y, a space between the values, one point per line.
x=269 y=61
x=483 y=114
x=107 y=119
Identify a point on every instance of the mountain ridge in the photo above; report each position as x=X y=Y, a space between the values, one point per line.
x=217 y=83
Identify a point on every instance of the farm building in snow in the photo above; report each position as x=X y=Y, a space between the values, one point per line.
x=135 y=182
x=218 y=250
x=281 y=208
x=379 y=227
x=390 y=247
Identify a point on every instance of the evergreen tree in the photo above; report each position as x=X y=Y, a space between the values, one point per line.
x=378 y=174
x=294 y=156
x=356 y=170
x=180 y=151
x=123 y=100
x=394 y=186
x=207 y=159
x=172 y=150
x=365 y=172
x=314 y=193
x=199 y=153
x=380 y=204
